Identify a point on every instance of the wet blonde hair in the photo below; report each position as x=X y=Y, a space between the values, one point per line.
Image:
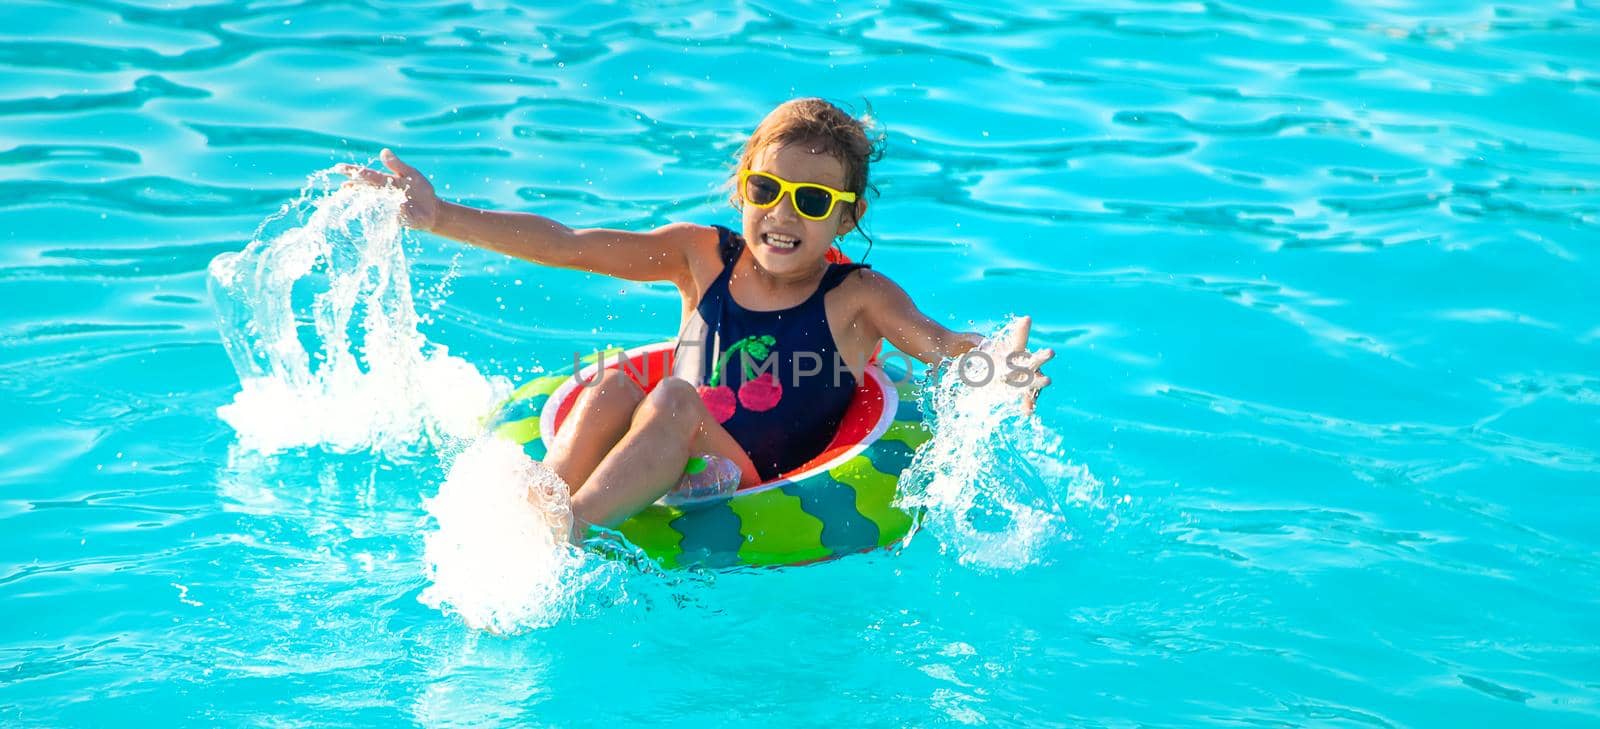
x=826 y=129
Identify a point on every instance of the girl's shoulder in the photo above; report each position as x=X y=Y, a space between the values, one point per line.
x=692 y=239
x=705 y=248
x=865 y=290
x=868 y=283
x=692 y=234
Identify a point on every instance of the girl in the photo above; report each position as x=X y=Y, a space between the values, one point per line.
x=774 y=336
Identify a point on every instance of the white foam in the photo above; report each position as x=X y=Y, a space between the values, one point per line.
x=321 y=326
x=500 y=557
x=437 y=399
x=995 y=485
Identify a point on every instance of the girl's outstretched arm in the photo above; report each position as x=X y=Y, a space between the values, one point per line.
x=658 y=255
x=891 y=314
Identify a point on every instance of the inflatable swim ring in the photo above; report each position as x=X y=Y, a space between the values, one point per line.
x=841 y=501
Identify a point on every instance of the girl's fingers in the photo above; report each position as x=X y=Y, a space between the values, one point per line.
x=364 y=175
x=1019 y=338
x=1035 y=360
x=393 y=162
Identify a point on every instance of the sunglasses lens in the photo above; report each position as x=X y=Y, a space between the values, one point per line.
x=813 y=201
x=761 y=190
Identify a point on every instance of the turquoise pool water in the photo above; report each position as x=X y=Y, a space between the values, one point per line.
x=1323 y=446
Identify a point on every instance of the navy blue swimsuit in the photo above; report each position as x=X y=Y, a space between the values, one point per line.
x=774 y=379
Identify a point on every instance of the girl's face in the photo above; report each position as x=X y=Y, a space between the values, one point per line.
x=782 y=242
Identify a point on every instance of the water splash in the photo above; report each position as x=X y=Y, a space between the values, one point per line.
x=320 y=324
x=994 y=485
x=500 y=558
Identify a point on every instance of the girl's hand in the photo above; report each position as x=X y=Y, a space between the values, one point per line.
x=1020 y=367
x=421 y=208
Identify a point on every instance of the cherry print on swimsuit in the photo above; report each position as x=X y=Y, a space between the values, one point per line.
x=758 y=394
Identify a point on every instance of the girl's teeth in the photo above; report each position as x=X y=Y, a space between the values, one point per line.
x=781 y=241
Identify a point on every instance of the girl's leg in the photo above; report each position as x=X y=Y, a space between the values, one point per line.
x=597 y=421
x=670 y=425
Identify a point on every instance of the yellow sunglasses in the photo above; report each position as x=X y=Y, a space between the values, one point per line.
x=811 y=200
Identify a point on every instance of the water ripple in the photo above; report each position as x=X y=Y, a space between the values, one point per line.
x=147 y=195
x=144 y=90
x=114 y=263
x=219 y=135
x=70 y=329
x=36 y=153
x=1265 y=127
x=1550 y=455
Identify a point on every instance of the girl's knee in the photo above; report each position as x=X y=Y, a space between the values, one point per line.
x=676 y=401
x=613 y=389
